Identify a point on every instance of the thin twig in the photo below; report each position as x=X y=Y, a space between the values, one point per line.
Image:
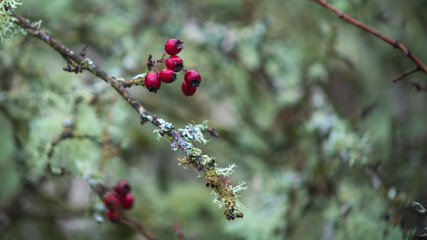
x=136 y=225
x=405 y=74
x=212 y=132
x=178 y=230
x=418 y=86
x=395 y=43
x=136 y=82
x=67 y=133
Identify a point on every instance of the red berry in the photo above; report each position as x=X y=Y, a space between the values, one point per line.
x=167 y=75
x=114 y=216
x=187 y=89
x=127 y=201
x=175 y=63
x=192 y=78
x=173 y=46
x=152 y=82
x=111 y=201
x=122 y=187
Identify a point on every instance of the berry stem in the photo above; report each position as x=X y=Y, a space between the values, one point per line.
x=163 y=56
x=158 y=60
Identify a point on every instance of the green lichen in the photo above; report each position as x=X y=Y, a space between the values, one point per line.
x=340 y=140
x=194 y=132
x=7 y=22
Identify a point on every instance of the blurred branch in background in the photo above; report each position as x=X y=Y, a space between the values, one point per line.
x=420 y=66
x=102 y=190
x=69 y=132
x=418 y=86
x=178 y=230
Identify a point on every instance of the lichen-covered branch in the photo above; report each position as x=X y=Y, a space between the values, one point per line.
x=226 y=194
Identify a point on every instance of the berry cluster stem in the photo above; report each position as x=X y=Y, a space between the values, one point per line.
x=159 y=60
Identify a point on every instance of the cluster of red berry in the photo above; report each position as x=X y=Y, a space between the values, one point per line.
x=174 y=64
x=121 y=199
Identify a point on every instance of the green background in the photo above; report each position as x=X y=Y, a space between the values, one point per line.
x=303 y=102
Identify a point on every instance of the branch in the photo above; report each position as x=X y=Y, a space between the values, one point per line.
x=395 y=43
x=76 y=58
x=136 y=225
x=137 y=80
x=409 y=72
x=101 y=190
x=418 y=86
x=226 y=195
x=66 y=133
x=178 y=230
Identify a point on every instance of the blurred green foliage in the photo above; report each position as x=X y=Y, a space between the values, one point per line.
x=303 y=103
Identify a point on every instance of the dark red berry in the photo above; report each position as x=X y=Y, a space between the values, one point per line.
x=187 y=89
x=112 y=201
x=175 y=63
x=127 y=201
x=173 y=46
x=167 y=75
x=152 y=82
x=114 y=216
x=192 y=78
x=122 y=187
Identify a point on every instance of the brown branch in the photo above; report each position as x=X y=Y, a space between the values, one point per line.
x=178 y=230
x=79 y=60
x=67 y=133
x=136 y=225
x=408 y=72
x=418 y=86
x=134 y=82
x=212 y=132
x=395 y=43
